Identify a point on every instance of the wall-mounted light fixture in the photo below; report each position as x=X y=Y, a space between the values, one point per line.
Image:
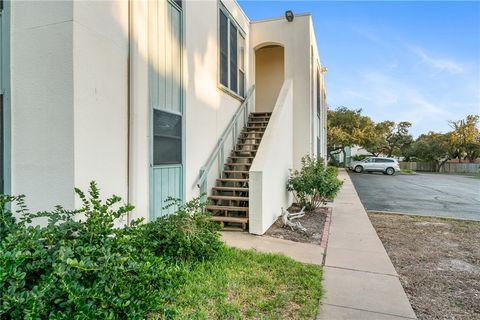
x=289 y=15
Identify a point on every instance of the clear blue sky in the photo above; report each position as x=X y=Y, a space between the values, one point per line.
x=412 y=61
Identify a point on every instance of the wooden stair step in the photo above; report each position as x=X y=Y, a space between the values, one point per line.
x=233 y=198
x=239 y=157
x=235 y=171
x=248 y=144
x=256 y=133
x=227 y=208
x=259 y=113
x=250 y=138
x=232 y=180
x=238 y=164
x=240 y=189
x=230 y=219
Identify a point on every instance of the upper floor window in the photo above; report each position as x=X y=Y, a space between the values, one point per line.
x=318 y=92
x=232 y=54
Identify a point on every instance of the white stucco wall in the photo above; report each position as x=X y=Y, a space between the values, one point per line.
x=140 y=113
x=42 y=103
x=69 y=99
x=270 y=168
x=295 y=38
x=100 y=52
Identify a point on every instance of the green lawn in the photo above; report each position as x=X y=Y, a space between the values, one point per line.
x=243 y=284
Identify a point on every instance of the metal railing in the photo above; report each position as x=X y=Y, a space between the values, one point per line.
x=218 y=153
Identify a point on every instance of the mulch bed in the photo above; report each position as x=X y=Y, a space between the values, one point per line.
x=438 y=261
x=313 y=221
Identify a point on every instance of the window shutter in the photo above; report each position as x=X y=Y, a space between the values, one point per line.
x=233 y=58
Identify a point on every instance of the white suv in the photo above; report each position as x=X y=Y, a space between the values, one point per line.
x=386 y=165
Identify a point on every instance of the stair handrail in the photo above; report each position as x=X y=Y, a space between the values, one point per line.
x=218 y=151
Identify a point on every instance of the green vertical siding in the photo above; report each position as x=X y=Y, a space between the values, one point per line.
x=166 y=57
x=167 y=182
x=165 y=86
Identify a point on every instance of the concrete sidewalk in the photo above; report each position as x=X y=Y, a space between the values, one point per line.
x=360 y=281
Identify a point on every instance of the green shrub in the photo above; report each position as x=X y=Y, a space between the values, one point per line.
x=86 y=268
x=314 y=184
x=189 y=234
x=7 y=221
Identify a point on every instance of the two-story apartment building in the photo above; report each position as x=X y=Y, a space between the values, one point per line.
x=158 y=98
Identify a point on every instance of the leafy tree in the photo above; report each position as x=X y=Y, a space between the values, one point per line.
x=346 y=128
x=374 y=141
x=466 y=137
x=397 y=138
x=432 y=147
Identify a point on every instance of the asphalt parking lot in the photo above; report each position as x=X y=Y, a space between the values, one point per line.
x=430 y=194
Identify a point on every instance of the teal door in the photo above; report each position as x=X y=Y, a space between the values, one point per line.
x=166 y=100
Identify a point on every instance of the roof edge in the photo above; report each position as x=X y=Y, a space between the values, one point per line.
x=306 y=14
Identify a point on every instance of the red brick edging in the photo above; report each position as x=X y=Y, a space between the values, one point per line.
x=326 y=230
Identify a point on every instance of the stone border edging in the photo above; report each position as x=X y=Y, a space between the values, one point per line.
x=326 y=230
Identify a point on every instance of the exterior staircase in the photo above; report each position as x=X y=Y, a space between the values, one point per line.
x=229 y=200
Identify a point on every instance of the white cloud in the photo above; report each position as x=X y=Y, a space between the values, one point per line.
x=440 y=64
x=383 y=96
x=390 y=92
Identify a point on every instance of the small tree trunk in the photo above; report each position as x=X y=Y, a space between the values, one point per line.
x=442 y=164
x=344 y=153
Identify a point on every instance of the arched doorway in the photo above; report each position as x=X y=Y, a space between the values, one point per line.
x=269 y=76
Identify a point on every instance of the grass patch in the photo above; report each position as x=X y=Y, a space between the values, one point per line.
x=241 y=284
x=407 y=171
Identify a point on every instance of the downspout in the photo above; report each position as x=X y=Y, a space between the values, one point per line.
x=128 y=109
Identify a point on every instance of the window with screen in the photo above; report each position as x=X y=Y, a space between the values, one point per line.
x=223 y=49
x=232 y=54
x=167 y=138
x=318 y=92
